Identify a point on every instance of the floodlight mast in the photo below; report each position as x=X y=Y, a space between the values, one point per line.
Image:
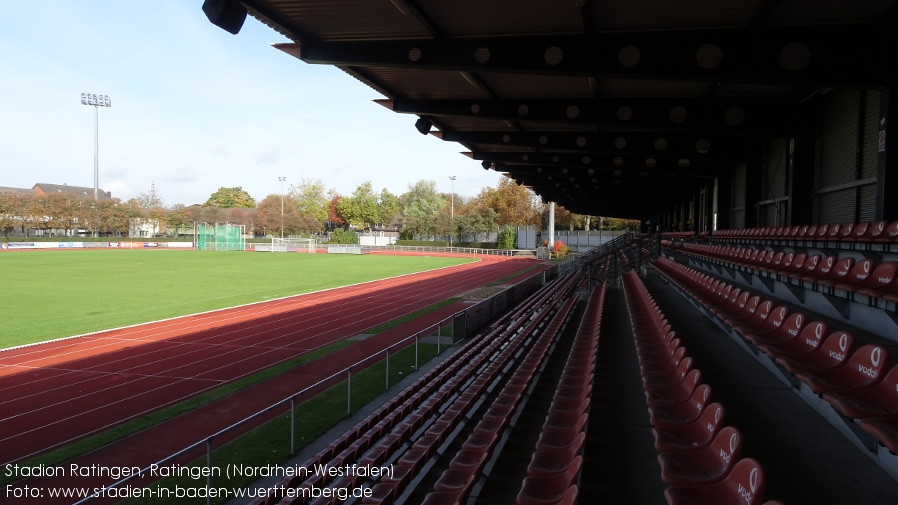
x=451 y=208
x=282 y=179
x=97 y=101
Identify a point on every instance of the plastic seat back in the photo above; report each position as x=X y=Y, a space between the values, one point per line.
x=883 y=275
x=860 y=272
x=840 y=270
x=810 y=264
x=859 y=230
x=889 y=233
x=874 y=231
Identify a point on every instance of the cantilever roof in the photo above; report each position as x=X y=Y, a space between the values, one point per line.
x=608 y=108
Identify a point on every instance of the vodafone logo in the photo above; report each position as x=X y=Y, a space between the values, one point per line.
x=798 y=319
x=867 y=266
x=717 y=414
x=843 y=342
x=753 y=479
x=733 y=440
x=876 y=356
x=818 y=331
x=706 y=394
x=881 y=226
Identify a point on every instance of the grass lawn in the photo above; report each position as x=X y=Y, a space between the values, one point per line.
x=53 y=294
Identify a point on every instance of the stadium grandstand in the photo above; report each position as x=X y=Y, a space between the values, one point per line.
x=742 y=347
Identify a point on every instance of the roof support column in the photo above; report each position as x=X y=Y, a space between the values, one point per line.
x=551 y=225
x=801 y=163
x=723 y=200
x=753 y=184
x=887 y=166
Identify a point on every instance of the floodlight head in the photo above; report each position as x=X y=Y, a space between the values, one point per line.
x=228 y=15
x=486 y=164
x=423 y=125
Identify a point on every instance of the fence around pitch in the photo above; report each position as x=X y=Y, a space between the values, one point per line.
x=458 y=323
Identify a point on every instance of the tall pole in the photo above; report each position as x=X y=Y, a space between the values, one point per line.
x=451 y=208
x=96 y=101
x=282 y=179
x=96 y=153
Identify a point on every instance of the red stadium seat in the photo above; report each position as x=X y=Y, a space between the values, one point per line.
x=836 y=275
x=743 y=486
x=683 y=412
x=863 y=369
x=694 y=435
x=889 y=234
x=674 y=394
x=788 y=329
x=549 y=489
x=832 y=352
x=880 y=400
x=808 y=340
x=885 y=429
x=551 y=462
x=702 y=466
x=858 y=274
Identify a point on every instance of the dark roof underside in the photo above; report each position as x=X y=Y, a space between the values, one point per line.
x=608 y=108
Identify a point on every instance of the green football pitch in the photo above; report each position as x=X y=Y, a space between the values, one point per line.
x=53 y=294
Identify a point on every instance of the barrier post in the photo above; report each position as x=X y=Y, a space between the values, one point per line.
x=349 y=391
x=416 y=351
x=387 y=374
x=209 y=471
x=293 y=425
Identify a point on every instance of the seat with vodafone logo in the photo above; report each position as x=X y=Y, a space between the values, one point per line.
x=765 y=324
x=682 y=412
x=858 y=275
x=863 y=369
x=687 y=436
x=836 y=275
x=702 y=466
x=743 y=486
x=882 y=282
x=889 y=234
x=880 y=400
x=808 y=339
x=832 y=353
x=787 y=329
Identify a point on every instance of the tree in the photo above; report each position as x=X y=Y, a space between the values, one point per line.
x=228 y=198
x=424 y=208
x=514 y=204
x=388 y=206
x=333 y=214
x=361 y=208
x=312 y=203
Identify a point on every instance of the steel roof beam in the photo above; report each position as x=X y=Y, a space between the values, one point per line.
x=752 y=116
x=808 y=55
x=665 y=145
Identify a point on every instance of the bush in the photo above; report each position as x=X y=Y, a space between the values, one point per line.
x=341 y=236
x=506 y=239
x=559 y=250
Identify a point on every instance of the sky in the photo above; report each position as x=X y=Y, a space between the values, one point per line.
x=194 y=109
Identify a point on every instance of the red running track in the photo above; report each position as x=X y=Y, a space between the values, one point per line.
x=55 y=393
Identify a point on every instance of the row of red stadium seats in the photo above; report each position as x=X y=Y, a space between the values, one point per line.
x=854 y=379
x=863 y=232
x=410 y=428
x=699 y=456
x=828 y=274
